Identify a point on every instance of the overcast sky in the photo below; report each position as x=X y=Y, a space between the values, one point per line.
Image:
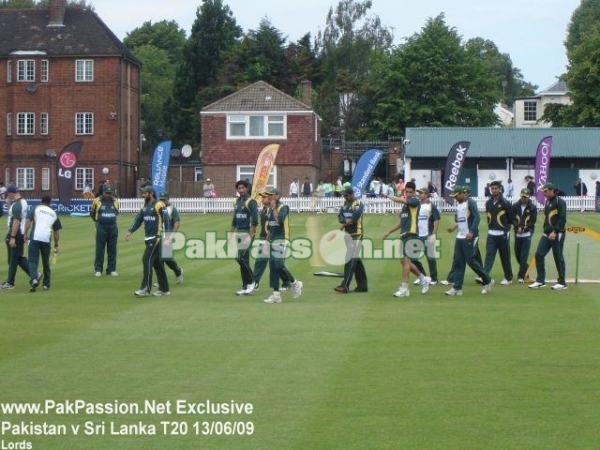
x=532 y=32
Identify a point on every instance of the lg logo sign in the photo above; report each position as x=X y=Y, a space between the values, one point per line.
x=67 y=161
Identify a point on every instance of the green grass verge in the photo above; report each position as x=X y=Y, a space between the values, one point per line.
x=515 y=369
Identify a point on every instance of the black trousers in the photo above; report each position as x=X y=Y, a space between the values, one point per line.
x=544 y=246
x=464 y=254
x=501 y=245
x=522 y=247
x=34 y=251
x=107 y=237
x=16 y=258
x=151 y=260
x=354 y=266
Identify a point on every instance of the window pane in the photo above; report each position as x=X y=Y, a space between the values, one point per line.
x=257 y=126
x=275 y=129
x=45 y=179
x=237 y=129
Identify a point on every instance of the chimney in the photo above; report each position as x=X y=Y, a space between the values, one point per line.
x=306 y=87
x=57 y=13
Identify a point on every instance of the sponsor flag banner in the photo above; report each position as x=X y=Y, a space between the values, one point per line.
x=363 y=171
x=542 y=166
x=160 y=166
x=454 y=166
x=65 y=171
x=262 y=170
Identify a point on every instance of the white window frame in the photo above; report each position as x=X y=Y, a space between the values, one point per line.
x=9 y=68
x=6 y=176
x=44 y=123
x=529 y=107
x=198 y=173
x=83 y=175
x=26 y=70
x=26 y=178
x=84 y=70
x=244 y=172
x=45 y=178
x=25 y=123
x=257 y=126
x=9 y=124
x=45 y=71
x=84 y=123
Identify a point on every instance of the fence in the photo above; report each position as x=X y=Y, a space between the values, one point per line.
x=313 y=204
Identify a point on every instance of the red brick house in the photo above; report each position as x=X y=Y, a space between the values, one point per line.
x=236 y=128
x=64 y=76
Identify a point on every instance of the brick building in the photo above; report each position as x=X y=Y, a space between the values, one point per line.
x=236 y=128
x=64 y=76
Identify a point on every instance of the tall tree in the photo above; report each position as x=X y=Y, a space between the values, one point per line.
x=583 y=72
x=213 y=33
x=584 y=20
x=166 y=35
x=432 y=80
x=259 y=56
x=346 y=48
x=158 y=46
x=508 y=79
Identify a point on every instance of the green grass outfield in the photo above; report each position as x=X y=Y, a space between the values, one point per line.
x=516 y=369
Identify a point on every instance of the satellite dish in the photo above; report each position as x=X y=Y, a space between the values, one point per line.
x=175 y=152
x=186 y=150
x=50 y=153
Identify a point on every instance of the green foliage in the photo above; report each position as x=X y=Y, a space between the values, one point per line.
x=165 y=35
x=261 y=55
x=432 y=80
x=347 y=46
x=583 y=74
x=214 y=32
x=584 y=20
x=508 y=79
x=583 y=79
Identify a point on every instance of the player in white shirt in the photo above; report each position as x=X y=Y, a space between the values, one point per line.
x=44 y=225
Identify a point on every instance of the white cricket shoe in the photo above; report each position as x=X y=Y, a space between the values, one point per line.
x=417 y=282
x=142 y=293
x=505 y=282
x=445 y=283
x=487 y=287
x=275 y=297
x=402 y=292
x=297 y=289
x=161 y=293
x=425 y=285
x=453 y=292
x=179 y=279
x=559 y=287
x=537 y=285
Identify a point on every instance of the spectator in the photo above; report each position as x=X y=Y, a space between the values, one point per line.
x=530 y=185
x=487 y=191
x=2 y=191
x=307 y=188
x=294 y=188
x=510 y=189
x=580 y=188
x=431 y=189
x=208 y=190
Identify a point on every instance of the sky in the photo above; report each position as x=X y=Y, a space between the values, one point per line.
x=531 y=32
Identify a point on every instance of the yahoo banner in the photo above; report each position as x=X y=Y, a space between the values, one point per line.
x=65 y=171
x=542 y=166
x=454 y=165
x=160 y=166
